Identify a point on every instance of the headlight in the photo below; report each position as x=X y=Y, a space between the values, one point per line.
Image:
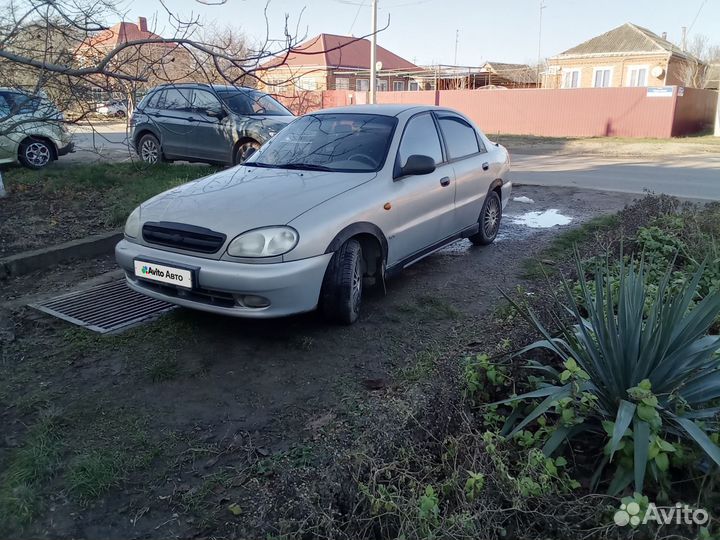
x=266 y=242
x=132 y=225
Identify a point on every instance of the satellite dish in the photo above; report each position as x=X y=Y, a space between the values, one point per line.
x=657 y=72
x=378 y=66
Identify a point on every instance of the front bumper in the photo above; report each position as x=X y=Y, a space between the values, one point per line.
x=67 y=149
x=291 y=287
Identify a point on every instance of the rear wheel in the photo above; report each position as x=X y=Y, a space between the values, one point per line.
x=342 y=288
x=489 y=221
x=245 y=150
x=35 y=153
x=149 y=149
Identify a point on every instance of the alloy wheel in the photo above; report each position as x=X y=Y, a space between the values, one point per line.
x=149 y=151
x=37 y=154
x=491 y=220
x=356 y=292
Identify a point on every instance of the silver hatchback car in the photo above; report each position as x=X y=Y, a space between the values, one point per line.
x=339 y=199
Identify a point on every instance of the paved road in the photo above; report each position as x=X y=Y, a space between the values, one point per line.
x=691 y=177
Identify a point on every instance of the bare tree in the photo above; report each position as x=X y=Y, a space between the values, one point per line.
x=702 y=52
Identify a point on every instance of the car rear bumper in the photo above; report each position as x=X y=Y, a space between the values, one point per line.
x=506 y=192
x=290 y=287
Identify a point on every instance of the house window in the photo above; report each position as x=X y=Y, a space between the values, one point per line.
x=342 y=84
x=398 y=86
x=382 y=86
x=602 y=77
x=571 y=78
x=413 y=86
x=637 y=76
x=362 y=85
x=307 y=83
x=275 y=86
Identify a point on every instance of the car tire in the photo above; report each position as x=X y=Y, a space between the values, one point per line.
x=149 y=149
x=489 y=221
x=35 y=153
x=341 y=293
x=243 y=150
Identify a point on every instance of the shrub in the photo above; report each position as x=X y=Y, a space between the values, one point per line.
x=638 y=377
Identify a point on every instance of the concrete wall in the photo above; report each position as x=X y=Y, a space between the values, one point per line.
x=581 y=112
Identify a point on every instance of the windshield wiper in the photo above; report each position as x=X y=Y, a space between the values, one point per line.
x=304 y=167
x=258 y=164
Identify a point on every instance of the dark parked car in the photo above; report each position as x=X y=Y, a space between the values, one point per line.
x=203 y=122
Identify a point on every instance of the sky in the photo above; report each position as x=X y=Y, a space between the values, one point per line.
x=424 y=31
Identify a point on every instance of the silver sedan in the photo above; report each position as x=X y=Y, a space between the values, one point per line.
x=339 y=200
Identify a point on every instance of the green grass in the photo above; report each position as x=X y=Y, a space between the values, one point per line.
x=113 y=188
x=28 y=468
x=561 y=248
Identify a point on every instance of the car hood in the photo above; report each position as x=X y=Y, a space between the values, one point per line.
x=262 y=123
x=243 y=198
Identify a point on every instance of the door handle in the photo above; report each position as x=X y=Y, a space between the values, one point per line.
x=190 y=119
x=485 y=166
x=445 y=181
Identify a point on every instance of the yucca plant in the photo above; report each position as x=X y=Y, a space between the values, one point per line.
x=636 y=376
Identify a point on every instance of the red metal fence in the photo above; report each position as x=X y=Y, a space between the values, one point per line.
x=589 y=112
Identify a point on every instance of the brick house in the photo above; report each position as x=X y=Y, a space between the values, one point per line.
x=332 y=62
x=628 y=55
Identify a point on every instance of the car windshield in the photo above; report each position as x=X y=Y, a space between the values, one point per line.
x=252 y=102
x=330 y=142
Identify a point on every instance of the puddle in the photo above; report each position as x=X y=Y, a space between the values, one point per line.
x=541 y=220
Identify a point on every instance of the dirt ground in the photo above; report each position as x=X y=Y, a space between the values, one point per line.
x=136 y=425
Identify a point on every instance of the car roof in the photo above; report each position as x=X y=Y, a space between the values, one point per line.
x=203 y=85
x=389 y=109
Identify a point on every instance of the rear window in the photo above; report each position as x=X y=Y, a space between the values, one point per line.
x=460 y=136
x=17 y=103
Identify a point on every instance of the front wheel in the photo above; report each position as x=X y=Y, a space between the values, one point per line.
x=489 y=221
x=245 y=150
x=341 y=293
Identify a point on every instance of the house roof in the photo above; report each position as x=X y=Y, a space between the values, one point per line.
x=330 y=50
x=120 y=33
x=518 y=73
x=625 y=39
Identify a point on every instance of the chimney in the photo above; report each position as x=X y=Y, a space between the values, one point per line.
x=683 y=39
x=664 y=36
x=142 y=24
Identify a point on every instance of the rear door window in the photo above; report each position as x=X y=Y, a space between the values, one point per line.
x=460 y=137
x=177 y=99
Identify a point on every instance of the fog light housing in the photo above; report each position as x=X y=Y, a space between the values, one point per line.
x=253 y=301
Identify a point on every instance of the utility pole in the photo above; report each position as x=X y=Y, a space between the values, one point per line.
x=457 y=39
x=537 y=79
x=373 y=53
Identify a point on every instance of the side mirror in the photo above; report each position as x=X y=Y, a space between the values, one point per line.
x=216 y=113
x=417 y=165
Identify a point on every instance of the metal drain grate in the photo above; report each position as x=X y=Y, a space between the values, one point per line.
x=106 y=308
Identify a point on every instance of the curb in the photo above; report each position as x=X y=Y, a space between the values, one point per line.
x=38 y=259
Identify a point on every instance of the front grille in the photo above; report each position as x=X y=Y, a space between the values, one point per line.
x=203 y=296
x=182 y=236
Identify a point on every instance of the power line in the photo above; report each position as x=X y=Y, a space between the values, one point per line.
x=356 y=17
x=697 y=15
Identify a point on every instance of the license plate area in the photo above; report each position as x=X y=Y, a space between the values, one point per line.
x=168 y=274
